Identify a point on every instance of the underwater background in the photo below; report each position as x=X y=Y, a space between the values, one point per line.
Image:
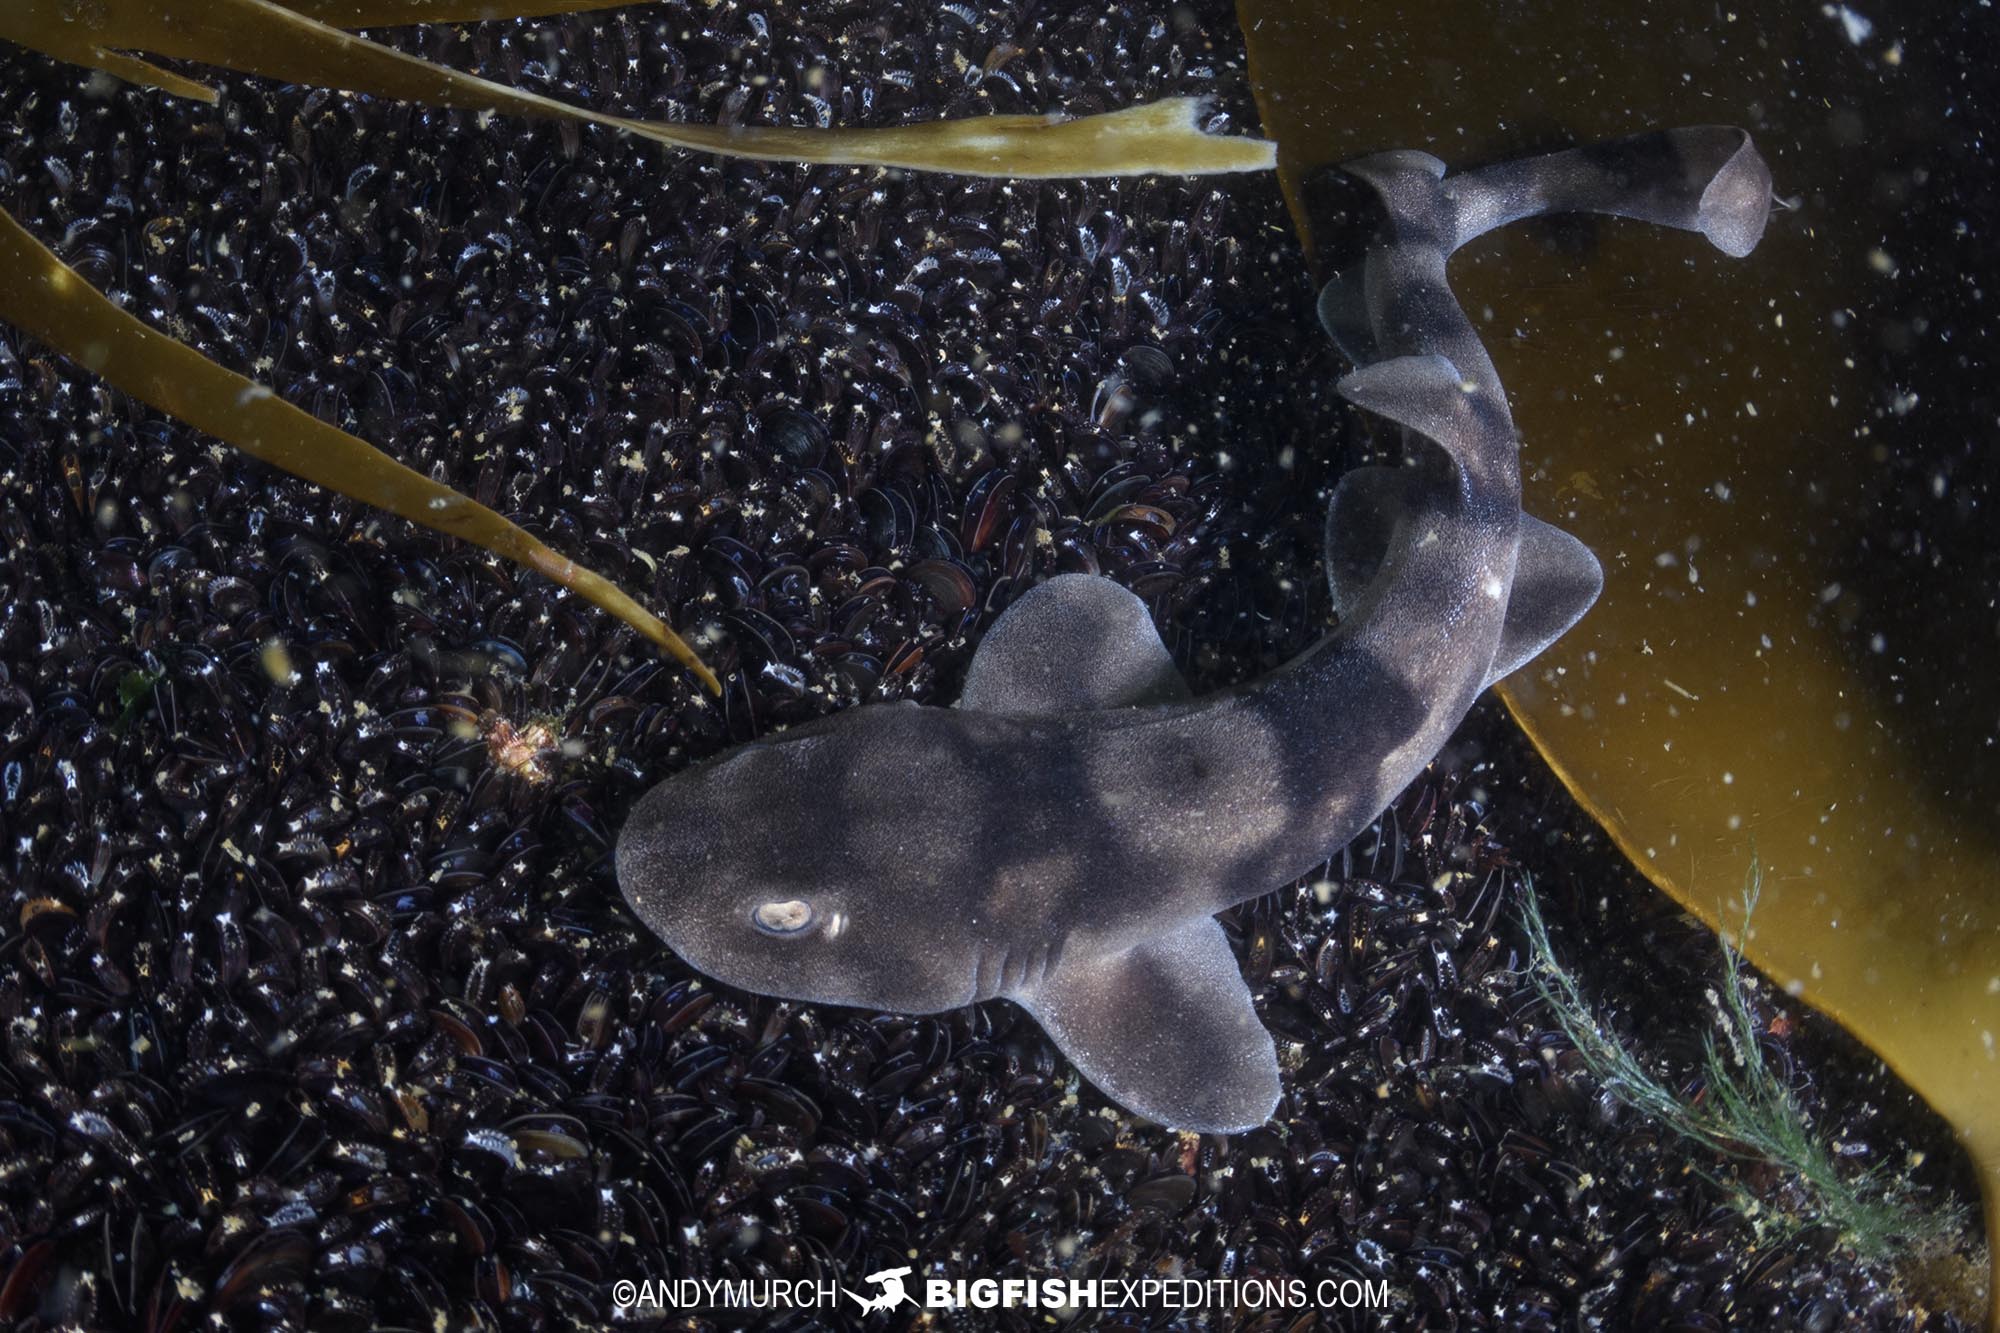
x=321 y=1006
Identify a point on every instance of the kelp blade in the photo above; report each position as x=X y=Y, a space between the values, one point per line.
x=262 y=38
x=394 y=13
x=42 y=296
x=1702 y=424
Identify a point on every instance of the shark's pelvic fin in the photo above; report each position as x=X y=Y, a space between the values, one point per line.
x=1361 y=521
x=1165 y=1029
x=1556 y=579
x=1076 y=643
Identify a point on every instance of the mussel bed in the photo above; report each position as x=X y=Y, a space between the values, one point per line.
x=321 y=1006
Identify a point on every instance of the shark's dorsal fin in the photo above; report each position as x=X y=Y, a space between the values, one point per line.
x=1343 y=313
x=1165 y=1029
x=1075 y=643
x=1556 y=578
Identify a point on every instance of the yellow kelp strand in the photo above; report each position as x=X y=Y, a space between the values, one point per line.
x=262 y=38
x=393 y=13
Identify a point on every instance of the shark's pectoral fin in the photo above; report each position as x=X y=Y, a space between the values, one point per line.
x=1077 y=642
x=1165 y=1029
x=1556 y=579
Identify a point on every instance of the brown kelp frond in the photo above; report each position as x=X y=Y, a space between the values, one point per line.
x=1746 y=1110
x=44 y=297
x=262 y=38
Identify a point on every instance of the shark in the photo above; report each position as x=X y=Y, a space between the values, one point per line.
x=1065 y=835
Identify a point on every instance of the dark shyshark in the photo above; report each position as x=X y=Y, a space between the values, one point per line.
x=1064 y=836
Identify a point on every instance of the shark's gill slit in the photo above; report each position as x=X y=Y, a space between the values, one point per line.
x=1110 y=864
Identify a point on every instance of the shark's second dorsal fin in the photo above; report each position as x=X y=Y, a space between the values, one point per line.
x=1076 y=643
x=1425 y=393
x=1556 y=578
x=1166 y=1029
x=1393 y=173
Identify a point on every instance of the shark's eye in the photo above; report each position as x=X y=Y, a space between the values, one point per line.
x=785 y=918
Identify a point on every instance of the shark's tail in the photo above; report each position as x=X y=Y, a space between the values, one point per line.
x=1703 y=178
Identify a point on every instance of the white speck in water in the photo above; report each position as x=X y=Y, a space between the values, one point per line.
x=1859 y=27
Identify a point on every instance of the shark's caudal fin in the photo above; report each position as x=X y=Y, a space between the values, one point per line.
x=1165 y=1029
x=1076 y=643
x=1702 y=178
x=1556 y=578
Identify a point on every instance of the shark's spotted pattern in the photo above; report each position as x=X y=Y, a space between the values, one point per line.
x=1064 y=835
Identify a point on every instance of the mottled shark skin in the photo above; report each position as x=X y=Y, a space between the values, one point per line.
x=1065 y=835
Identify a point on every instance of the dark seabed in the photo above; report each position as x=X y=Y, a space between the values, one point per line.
x=321 y=1005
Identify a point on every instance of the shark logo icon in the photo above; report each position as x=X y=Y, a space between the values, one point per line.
x=890 y=1280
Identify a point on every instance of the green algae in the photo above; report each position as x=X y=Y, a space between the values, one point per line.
x=1713 y=696
x=1744 y=1108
